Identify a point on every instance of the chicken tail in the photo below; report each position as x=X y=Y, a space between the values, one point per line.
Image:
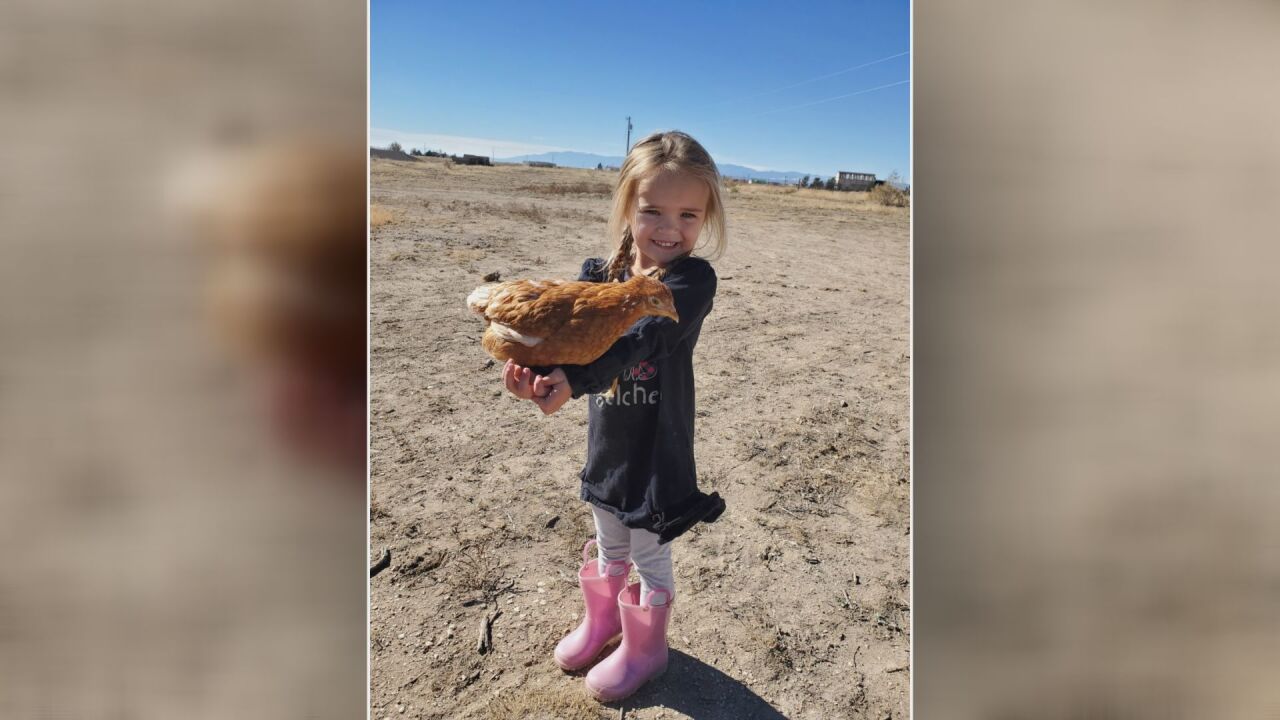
x=478 y=300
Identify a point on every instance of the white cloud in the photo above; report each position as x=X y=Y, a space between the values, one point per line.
x=457 y=144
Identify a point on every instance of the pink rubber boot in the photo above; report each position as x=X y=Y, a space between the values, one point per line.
x=643 y=653
x=600 y=622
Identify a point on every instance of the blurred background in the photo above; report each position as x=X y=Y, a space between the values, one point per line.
x=1097 y=360
x=182 y=497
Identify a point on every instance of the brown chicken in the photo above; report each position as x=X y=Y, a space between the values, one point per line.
x=557 y=322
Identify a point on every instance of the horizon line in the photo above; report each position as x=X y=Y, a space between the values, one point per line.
x=488 y=147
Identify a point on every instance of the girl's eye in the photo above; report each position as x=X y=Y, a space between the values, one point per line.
x=649 y=211
x=691 y=216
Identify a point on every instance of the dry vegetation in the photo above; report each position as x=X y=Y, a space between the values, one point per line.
x=890 y=196
x=569 y=188
x=883 y=199
x=541 y=704
x=379 y=216
x=802 y=373
x=886 y=195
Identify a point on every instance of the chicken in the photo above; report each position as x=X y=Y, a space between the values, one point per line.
x=557 y=322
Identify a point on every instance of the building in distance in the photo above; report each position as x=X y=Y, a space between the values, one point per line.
x=846 y=180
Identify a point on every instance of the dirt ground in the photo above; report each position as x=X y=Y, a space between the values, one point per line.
x=795 y=604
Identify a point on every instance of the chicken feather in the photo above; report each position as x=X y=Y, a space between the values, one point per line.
x=559 y=322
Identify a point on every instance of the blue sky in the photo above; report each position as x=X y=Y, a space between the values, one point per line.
x=758 y=83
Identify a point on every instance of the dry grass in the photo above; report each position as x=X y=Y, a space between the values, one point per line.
x=890 y=196
x=576 y=188
x=819 y=459
x=563 y=704
x=575 y=529
x=780 y=656
x=892 y=615
x=474 y=571
x=462 y=255
x=794 y=198
x=526 y=211
x=379 y=216
x=539 y=215
x=887 y=496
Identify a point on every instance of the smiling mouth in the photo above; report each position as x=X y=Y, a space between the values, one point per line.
x=665 y=245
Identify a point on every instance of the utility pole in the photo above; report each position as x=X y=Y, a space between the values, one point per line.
x=628 y=136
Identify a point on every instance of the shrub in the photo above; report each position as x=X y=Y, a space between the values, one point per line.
x=892 y=192
x=890 y=195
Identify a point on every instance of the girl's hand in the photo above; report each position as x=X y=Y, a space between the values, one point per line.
x=552 y=391
x=519 y=381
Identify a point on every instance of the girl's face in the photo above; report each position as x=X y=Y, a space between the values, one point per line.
x=669 y=212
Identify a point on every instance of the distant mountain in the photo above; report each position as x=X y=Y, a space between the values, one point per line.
x=590 y=160
x=745 y=173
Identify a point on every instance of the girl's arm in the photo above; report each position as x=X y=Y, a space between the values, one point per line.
x=693 y=285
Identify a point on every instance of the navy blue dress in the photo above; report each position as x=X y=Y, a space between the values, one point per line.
x=640 y=464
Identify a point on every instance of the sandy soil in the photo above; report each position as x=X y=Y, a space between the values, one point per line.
x=794 y=604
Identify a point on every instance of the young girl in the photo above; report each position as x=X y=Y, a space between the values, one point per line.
x=640 y=477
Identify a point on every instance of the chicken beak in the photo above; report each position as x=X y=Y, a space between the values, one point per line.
x=670 y=313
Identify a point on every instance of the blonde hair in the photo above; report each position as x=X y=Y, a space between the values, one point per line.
x=671 y=151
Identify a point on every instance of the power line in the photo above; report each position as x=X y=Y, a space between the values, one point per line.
x=825 y=100
x=806 y=82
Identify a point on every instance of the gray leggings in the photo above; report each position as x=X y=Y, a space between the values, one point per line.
x=618 y=542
